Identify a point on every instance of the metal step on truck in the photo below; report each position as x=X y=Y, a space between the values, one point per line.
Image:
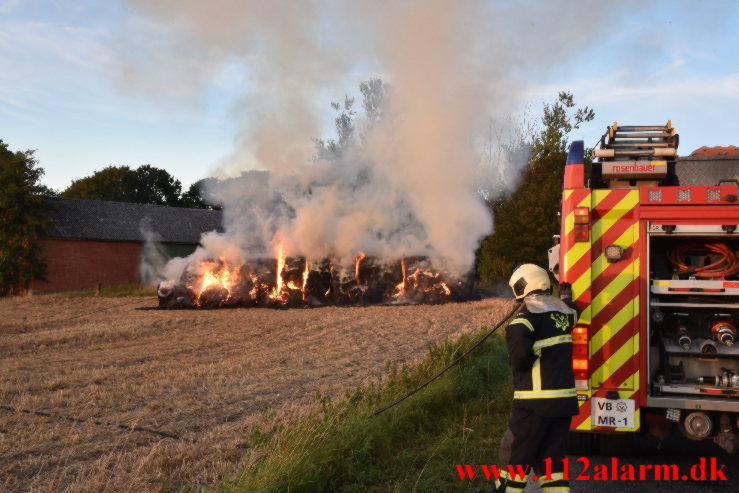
x=650 y=243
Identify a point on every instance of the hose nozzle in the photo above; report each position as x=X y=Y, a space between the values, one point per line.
x=683 y=338
x=724 y=332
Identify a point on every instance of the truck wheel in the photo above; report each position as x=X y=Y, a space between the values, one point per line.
x=618 y=445
x=580 y=443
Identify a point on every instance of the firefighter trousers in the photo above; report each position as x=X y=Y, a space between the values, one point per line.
x=528 y=441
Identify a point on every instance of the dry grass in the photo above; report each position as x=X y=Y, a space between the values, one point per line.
x=208 y=376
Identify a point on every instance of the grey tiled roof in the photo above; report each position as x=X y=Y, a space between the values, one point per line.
x=706 y=170
x=123 y=221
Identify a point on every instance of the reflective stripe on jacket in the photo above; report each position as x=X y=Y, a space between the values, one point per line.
x=540 y=352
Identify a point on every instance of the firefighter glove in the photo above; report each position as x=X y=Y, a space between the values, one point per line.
x=565 y=291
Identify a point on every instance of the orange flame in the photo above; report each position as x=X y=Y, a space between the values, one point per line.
x=400 y=288
x=216 y=282
x=331 y=279
x=277 y=292
x=217 y=274
x=422 y=281
x=305 y=280
x=357 y=264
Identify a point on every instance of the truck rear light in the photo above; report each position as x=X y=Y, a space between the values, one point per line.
x=580 y=351
x=580 y=357
x=580 y=335
x=582 y=224
x=582 y=215
x=582 y=380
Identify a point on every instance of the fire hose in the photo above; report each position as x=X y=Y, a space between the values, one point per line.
x=453 y=363
x=725 y=266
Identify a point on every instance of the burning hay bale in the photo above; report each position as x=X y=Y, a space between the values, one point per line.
x=294 y=281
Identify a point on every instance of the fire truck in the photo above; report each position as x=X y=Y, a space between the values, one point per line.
x=649 y=242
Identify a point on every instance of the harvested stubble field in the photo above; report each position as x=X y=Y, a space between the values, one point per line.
x=207 y=376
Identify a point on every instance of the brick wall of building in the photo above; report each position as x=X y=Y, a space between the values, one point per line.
x=82 y=264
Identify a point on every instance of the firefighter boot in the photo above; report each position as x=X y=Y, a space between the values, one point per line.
x=506 y=484
x=554 y=483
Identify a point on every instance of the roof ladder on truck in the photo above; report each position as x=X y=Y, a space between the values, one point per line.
x=633 y=156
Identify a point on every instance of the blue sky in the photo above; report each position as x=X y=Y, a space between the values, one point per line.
x=669 y=60
x=55 y=97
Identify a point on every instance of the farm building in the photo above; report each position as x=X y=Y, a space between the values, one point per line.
x=94 y=243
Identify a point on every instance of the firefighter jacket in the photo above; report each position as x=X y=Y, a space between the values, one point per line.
x=540 y=351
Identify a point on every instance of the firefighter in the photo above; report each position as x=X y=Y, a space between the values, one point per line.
x=544 y=401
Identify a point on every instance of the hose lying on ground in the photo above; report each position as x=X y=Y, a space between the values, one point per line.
x=95 y=422
x=453 y=363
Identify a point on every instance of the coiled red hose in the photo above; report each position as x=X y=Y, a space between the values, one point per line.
x=726 y=266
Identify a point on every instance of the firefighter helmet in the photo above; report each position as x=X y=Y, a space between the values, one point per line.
x=528 y=278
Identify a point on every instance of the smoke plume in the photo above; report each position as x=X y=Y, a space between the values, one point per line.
x=408 y=181
x=153 y=259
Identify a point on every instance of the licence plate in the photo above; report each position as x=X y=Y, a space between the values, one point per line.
x=613 y=413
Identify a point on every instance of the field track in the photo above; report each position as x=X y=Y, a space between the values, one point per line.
x=207 y=376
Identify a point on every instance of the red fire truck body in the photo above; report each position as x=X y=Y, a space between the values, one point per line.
x=650 y=248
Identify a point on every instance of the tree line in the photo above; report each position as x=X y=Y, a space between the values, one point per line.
x=143 y=185
x=524 y=219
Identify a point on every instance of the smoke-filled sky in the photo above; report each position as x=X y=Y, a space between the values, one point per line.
x=196 y=87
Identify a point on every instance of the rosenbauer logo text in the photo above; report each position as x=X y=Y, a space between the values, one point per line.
x=631 y=168
x=707 y=469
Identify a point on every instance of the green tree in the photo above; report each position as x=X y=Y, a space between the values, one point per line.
x=558 y=120
x=21 y=220
x=526 y=221
x=194 y=197
x=145 y=185
x=109 y=183
x=150 y=185
x=344 y=123
x=374 y=93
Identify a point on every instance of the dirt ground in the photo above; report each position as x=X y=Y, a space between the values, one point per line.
x=207 y=376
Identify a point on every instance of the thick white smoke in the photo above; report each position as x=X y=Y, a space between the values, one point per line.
x=409 y=185
x=153 y=259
